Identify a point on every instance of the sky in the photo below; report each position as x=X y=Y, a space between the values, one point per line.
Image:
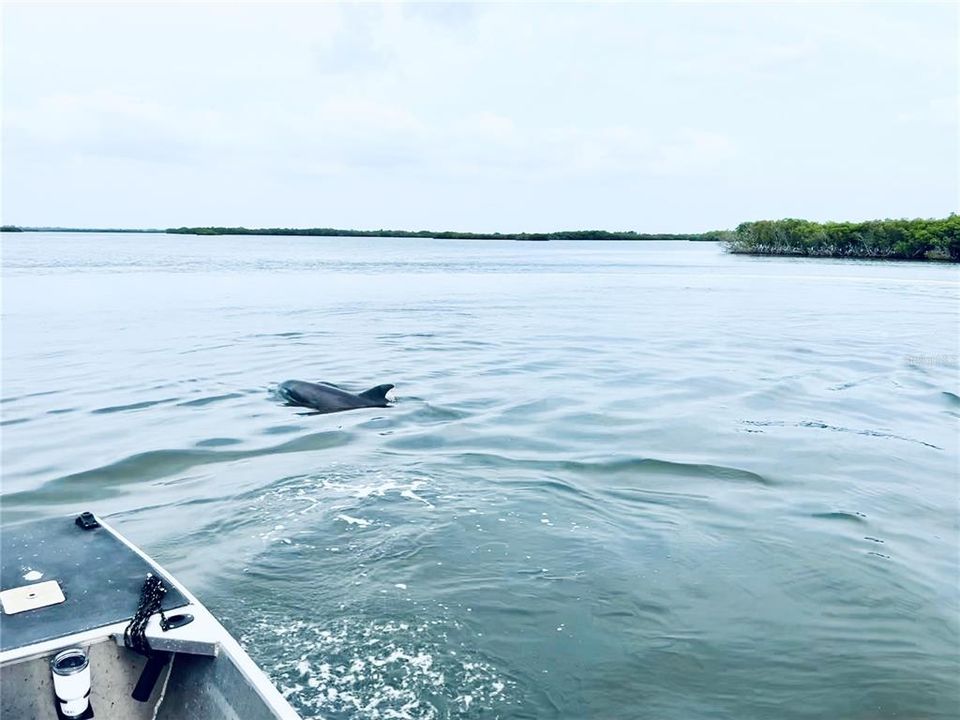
x=654 y=117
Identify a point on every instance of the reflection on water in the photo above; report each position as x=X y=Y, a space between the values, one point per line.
x=621 y=480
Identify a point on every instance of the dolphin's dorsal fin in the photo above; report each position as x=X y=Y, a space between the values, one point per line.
x=377 y=394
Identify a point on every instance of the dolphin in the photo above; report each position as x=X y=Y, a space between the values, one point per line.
x=327 y=398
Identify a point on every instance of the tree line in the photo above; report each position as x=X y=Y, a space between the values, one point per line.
x=20 y=228
x=918 y=239
x=451 y=235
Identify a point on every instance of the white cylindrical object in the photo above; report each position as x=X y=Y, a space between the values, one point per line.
x=71 y=681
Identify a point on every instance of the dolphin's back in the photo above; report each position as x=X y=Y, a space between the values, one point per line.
x=326 y=397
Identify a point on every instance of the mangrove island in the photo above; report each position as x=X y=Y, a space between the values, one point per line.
x=453 y=235
x=919 y=239
x=904 y=239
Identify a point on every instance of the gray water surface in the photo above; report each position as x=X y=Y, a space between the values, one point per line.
x=621 y=480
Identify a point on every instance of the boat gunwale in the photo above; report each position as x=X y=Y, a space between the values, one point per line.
x=230 y=649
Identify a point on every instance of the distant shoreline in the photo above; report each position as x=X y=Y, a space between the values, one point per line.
x=714 y=236
x=914 y=239
x=455 y=235
x=24 y=228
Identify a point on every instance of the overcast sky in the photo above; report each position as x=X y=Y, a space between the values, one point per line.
x=653 y=117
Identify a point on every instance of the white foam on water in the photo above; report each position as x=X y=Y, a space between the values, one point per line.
x=411 y=495
x=283 y=512
x=386 y=669
x=32 y=575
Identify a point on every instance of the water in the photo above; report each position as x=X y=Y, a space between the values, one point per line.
x=620 y=480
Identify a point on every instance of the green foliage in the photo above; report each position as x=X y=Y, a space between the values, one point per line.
x=920 y=239
x=14 y=228
x=450 y=235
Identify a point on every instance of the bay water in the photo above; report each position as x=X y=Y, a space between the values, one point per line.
x=620 y=480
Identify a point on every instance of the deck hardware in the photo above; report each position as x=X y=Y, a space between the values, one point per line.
x=87 y=521
x=31 y=597
x=156 y=661
x=178 y=620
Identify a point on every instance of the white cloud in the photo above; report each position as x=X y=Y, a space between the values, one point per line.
x=108 y=124
x=695 y=152
x=943 y=111
x=481 y=105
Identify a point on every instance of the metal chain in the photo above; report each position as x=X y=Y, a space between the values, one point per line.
x=151 y=597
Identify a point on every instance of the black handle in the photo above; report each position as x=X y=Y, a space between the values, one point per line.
x=149 y=676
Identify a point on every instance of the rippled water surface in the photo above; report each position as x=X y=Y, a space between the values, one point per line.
x=621 y=480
